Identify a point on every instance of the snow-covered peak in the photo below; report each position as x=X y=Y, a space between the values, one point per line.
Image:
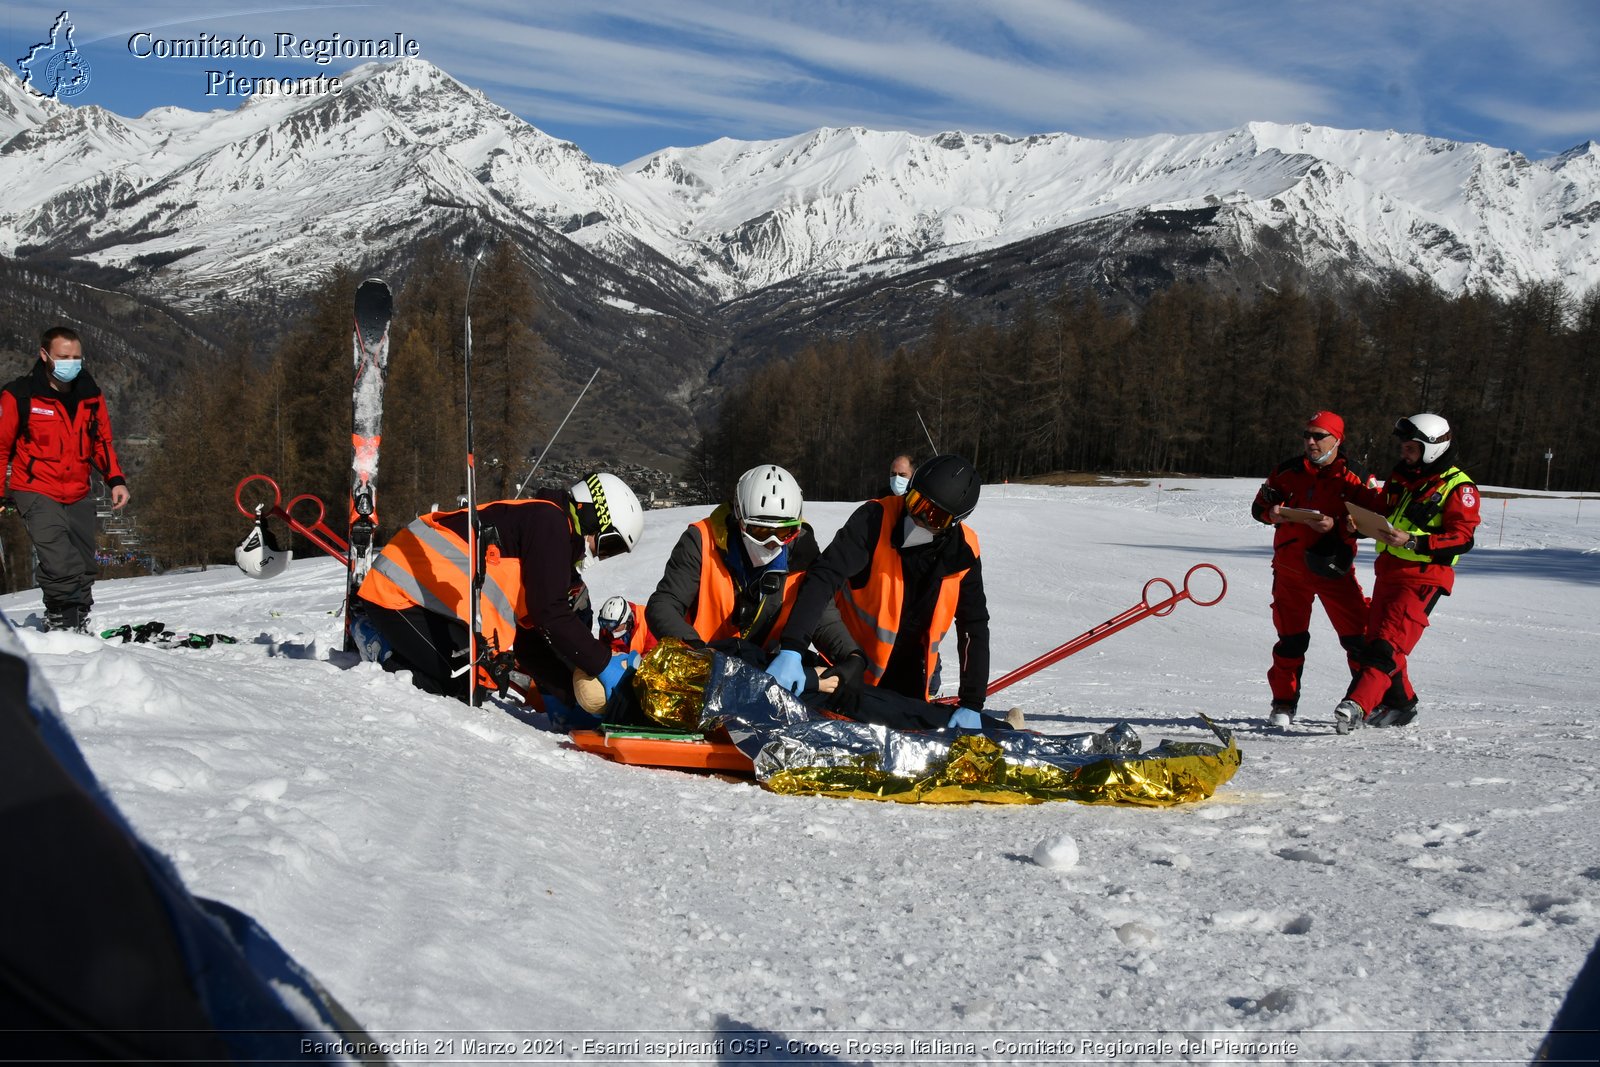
x=405 y=140
x=20 y=109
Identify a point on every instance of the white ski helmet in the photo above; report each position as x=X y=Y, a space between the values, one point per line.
x=258 y=555
x=617 y=511
x=616 y=614
x=767 y=495
x=1431 y=431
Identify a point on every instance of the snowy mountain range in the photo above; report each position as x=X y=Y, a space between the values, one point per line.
x=191 y=203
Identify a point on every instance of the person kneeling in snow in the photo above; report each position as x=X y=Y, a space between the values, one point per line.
x=735 y=574
x=416 y=595
x=900 y=572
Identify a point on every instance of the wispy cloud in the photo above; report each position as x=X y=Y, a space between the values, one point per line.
x=1517 y=75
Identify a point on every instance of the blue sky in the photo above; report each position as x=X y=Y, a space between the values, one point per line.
x=622 y=78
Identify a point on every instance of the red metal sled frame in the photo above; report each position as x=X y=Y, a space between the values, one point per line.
x=1142 y=610
x=317 y=532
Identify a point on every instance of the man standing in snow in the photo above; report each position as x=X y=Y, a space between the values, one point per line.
x=416 y=594
x=1432 y=508
x=54 y=428
x=1313 y=556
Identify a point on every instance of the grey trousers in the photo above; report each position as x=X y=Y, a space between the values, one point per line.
x=63 y=542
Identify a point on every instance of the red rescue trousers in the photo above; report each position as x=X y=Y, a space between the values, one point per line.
x=1402 y=599
x=1294 y=589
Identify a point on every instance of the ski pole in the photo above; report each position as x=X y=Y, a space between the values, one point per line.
x=925 y=430
x=474 y=534
x=557 y=434
x=316 y=531
x=1142 y=610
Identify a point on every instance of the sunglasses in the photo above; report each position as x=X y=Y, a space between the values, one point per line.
x=927 y=513
x=1315 y=435
x=767 y=534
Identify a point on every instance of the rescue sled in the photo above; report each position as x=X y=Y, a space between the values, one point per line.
x=659 y=747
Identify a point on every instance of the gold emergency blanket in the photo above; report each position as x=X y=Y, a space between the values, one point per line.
x=797 y=750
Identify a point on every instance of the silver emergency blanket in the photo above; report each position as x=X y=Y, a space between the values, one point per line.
x=797 y=749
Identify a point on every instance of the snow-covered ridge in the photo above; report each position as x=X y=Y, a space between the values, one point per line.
x=256 y=191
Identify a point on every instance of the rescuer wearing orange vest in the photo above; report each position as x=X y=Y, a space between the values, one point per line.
x=416 y=595
x=901 y=570
x=736 y=572
x=622 y=624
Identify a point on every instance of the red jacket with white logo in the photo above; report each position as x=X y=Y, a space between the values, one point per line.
x=51 y=438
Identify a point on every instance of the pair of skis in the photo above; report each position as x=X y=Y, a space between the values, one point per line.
x=373 y=309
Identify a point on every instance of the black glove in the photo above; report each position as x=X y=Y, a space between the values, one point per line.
x=849 y=671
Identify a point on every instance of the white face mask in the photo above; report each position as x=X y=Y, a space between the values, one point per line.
x=914 y=535
x=898 y=483
x=761 y=553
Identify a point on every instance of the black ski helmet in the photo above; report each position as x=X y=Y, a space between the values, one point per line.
x=948 y=482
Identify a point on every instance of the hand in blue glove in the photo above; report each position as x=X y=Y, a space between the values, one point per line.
x=620 y=664
x=789 y=671
x=965 y=719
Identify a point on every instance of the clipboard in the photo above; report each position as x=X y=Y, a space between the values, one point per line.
x=1369 y=523
x=1305 y=515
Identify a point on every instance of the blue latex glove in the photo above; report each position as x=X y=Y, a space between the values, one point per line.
x=620 y=664
x=790 y=672
x=965 y=719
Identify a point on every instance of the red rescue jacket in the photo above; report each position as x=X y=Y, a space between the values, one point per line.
x=51 y=439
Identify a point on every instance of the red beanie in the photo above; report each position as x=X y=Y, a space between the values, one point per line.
x=1327 y=420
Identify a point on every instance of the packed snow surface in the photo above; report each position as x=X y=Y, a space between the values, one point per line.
x=457 y=875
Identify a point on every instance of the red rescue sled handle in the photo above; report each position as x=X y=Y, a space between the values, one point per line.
x=316 y=531
x=1142 y=610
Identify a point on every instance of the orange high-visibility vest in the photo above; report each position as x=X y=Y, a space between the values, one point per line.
x=717 y=601
x=425 y=565
x=640 y=639
x=872 y=613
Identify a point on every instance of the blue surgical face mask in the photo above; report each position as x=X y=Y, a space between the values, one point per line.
x=898 y=483
x=66 y=369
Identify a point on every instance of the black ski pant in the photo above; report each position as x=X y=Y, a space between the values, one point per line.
x=63 y=545
x=431 y=646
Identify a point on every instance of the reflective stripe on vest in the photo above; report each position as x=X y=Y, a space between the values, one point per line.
x=1402 y=522
x=872 y=613
x=425 y=565
x=716 y=605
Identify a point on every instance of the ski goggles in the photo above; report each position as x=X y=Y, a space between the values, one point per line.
x=609 y=543
x=927 y=513
x=765 y=535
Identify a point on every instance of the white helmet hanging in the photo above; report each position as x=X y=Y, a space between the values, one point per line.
x=258 y=555
x=617 y=511
x=767 y=495
x=1431 y=431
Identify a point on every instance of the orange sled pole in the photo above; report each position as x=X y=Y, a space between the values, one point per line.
x=1142 y=610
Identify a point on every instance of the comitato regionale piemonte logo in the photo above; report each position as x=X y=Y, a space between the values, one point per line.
x=54 y=67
